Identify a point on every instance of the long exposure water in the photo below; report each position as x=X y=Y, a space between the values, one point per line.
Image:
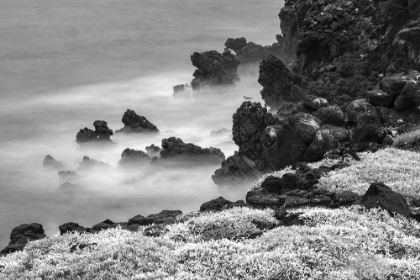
x=65 y=64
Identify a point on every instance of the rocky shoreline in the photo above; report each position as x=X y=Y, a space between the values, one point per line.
x=341 y=79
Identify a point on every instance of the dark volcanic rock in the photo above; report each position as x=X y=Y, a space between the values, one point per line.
x=379 y=97
x=249 y=123
x=216 y=204
x=101 y=134
x=175 y=150
x=410 y=97
x=380 y=195
x=134 y=123
x=314 y=102
x=235 y=44
x=72 y=227
x=133 y=158
x=214 y=69
x=50 y=162
x=164 y=217
x=279 y=84
x=330 y=115
x=21 y=235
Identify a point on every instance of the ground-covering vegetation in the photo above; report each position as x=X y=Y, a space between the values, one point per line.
x=349 y=243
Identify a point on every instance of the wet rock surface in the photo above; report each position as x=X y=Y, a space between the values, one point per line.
x=134 y=123
x=174 y=150
x=101 y=134
x=133 y=158
x=21 y=235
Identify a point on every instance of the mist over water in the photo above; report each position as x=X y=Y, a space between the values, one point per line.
x=66 y=64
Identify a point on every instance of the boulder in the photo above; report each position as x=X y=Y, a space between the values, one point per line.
x=101 y=134
x=393 y=85
x=345 y=198
x=409 y=97
x=133 y=158
x=380 y=195
x=279 y=84
x=164 y=217
x=175 y=150
x=411 y=35
x=330 y=115
x=214 y=69
x=216 y=204
x=21 y=235
x=314 y=102
x=134 y=123
x=379 y=98
x=323 y=141
x=50 y=162
x=72 y=227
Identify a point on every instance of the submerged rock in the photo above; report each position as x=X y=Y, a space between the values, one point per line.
x=176 y=151
x=133 y=158
x=89 y=163
x=50 y=162
x=101 y=134
x=134 y=123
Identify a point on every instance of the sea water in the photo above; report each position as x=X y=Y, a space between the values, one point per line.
x=65 y=64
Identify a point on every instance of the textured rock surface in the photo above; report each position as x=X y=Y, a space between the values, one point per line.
x=101 y=134
x=214 y=69
x=134 y=123
x=279 y=84
x=380 y=195
x=21 y=235
x=249 y=52
x=133 y=158
x=176 y=151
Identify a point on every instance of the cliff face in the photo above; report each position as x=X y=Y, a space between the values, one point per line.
x=346 y=81
x=342 y=48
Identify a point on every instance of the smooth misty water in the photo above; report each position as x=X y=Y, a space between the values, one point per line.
x=66 y=64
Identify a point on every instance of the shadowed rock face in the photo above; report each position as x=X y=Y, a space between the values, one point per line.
x=134 y=123
x=177 y=152
x=133 y=158
x=279 y=84
x=214 y=69
x=21 y=235
x=101 y=134
x=249 y=52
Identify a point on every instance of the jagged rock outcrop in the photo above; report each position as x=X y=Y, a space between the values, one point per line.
x=174 y=150
x=133 y=158
x=134 y=123
x=51 y=162
x=21 y=235
x=102 y=134
x=249 y=52
x=279 y=84
x=214 y=69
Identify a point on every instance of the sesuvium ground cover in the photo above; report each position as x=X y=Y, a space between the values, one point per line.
x=345 y=243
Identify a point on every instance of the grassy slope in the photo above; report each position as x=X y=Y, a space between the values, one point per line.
x=334 y=244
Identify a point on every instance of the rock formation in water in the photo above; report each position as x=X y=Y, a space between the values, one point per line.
x=51 y=162
x=101 y=134
x=21 y=235
x=249 y=52
x=180 y=153
x=213 y=69
x=88 y=164
x=134 y=123
x=133 y=158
